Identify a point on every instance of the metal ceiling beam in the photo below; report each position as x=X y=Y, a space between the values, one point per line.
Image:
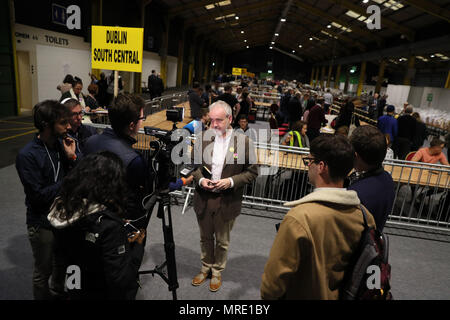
x=190 y=6
x=283 y=15
x=352 y=42
x=227 y=11
x=254 y=37
x=308 y=44
x=317 y=12
x=430 y=46
x=409 y=33
x=289 y=54
x=205 y=28
x=430 y=8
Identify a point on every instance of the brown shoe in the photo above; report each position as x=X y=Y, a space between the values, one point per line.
x=215 y=283
x=199 y=279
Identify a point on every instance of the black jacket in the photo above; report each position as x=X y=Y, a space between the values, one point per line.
x=81 y=136
x=153 y=83
x=295 y=109
x=138 y=176
x=37 y=175
x=420 y=135
x=406 y=127
x=98 y=245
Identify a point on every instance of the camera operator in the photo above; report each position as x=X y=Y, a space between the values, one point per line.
x=126 y=116
x=91 y=233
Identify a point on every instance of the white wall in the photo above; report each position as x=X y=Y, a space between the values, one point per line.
x=151 y=61
x=69 y=54
x=54 y=63
x=397 y=95
x=441 y=98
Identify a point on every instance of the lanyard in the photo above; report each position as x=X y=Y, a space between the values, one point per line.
x=55 y=171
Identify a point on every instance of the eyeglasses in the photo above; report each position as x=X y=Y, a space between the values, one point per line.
x=307 y=161
x=77 y=114
x=141 y=118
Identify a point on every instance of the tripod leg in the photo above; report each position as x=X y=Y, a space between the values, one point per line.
x=169 y=244
x=186 y=201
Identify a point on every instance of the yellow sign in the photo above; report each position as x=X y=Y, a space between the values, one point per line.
x=243 y=71
x=117 y=48
x=237 y=71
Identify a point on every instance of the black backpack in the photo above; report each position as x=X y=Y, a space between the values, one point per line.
x=369 y=273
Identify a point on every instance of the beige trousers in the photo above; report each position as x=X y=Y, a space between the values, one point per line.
x=214 y=242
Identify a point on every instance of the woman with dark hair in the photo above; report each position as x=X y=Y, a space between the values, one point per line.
x=309 y=104
x=297 y=137
x=91 y=233
x=91 y=100
x=245 y=104
x=345 y=116
x=75 y=93
x=66 y=85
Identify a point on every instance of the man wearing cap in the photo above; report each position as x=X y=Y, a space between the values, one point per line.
x=388 y=124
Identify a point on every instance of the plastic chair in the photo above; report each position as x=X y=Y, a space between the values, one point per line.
x=410 y=155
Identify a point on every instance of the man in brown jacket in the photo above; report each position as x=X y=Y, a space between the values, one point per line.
x=318 y=236
x=228 y=163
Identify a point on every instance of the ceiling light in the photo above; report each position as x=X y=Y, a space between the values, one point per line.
x=432 y=56
x=237 y=18
x=293 y=51
x=272 y=42
x=242 y=31
x=270 y=48
x=245 y=40
x=329 y=26
x=365 y=1
x=310 y=39
x=248 y=47
x=276 y=34
x=299 y=45
x=283 y=20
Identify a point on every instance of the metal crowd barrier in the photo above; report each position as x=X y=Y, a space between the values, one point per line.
x=151 y=106
x=421 y=190
x=362 y=115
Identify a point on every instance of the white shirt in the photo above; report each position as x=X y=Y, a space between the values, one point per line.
x=218 y=158
x=328 y=97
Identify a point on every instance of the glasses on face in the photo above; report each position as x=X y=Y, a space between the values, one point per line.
x=77 y=114
x=141 y=118
x=307 y=161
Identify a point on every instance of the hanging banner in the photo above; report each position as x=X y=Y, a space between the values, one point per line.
x=117 y=48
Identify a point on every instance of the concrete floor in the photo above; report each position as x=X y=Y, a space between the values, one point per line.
x=420 y=262
x=419 y=266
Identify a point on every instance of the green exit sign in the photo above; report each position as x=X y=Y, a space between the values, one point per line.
x=430 y=97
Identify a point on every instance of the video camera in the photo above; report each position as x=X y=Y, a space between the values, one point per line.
x=161 y=162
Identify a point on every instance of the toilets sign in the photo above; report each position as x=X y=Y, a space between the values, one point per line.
x=117 y=48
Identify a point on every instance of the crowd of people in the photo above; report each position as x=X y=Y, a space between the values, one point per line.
x=82 y=188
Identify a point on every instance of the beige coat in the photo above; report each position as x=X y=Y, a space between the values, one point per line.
x=240 y=165
x=313 y=246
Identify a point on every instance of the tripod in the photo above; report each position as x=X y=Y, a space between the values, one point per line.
x=164 y=213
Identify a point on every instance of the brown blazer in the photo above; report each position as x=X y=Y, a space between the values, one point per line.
x=240 y=165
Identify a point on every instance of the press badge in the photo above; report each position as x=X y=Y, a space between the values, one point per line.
x=121 y=249
x=91 y=237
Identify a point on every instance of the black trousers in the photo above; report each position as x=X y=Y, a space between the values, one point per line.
x=402 y=146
